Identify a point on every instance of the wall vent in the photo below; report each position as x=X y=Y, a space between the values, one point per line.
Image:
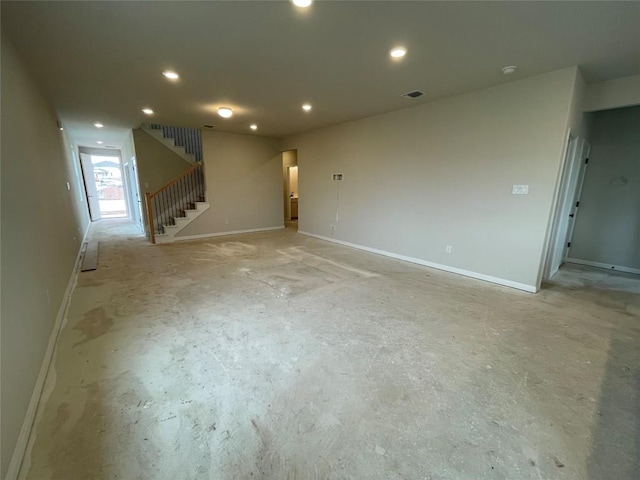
x=413 y=94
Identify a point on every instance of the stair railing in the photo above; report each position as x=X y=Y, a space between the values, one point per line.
x=189 y=138
x=174 y=198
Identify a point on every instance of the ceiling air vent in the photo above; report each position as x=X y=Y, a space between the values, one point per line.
x=414 y=94
x=110 y=146
x=207 y=126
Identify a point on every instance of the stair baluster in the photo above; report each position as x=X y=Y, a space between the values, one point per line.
x=174 y=199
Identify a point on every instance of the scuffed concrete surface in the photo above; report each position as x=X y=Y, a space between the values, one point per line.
x=279 y=356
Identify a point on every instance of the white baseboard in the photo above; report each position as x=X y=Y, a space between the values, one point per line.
x=223 y=234
x=608 y=266
x=23 y=438
x=438 y=266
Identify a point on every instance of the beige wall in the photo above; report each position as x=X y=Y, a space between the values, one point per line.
x=607 y=227
x=616 y=93
x=135 y=203
x=157 y=165
x=293 y=181
x=244 y=184
x=43 y=224
x=441 y=174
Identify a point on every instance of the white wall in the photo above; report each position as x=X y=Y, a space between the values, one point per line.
x=244 y=184
x=607 y=227
x=43 y=224
x=441 y=174
x=617 y=93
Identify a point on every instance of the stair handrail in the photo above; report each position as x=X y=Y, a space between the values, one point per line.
x=150 y=196
x=176 y=179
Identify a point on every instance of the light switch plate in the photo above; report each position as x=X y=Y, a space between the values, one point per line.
x=520 y=190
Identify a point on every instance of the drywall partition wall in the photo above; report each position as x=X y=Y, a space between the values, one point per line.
x=129 y=164
x=617 y=93
x=441 y=174
x=157 y=165
x=244 y=185
x=579 y=126
x=43 y=224
x=607 y=229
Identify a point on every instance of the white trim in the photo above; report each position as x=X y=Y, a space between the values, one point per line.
x=222 y=234
x=27 y=424
x=608 y=266
x=438 y=266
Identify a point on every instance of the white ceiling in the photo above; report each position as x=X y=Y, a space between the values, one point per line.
x=102 y=61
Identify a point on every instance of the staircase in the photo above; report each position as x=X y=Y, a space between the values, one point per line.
x=174 y=206
x=177 y=204
x=183 y=141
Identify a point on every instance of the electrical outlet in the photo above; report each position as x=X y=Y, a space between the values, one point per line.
x=333 y=228
x=448 y=249
x=226 y=221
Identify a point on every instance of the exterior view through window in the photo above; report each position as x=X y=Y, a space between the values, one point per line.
x=107 y=174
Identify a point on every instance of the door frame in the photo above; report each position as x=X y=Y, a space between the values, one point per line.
x=565 y=214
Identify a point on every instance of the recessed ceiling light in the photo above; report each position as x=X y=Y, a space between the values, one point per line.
x=306 y=107
x=148 y=111
x=398 y=52
x=302 y=3
x=225 y=112
x=98 y=125
x=509 y=69
x=170 y=75
x=253 y=126
x=99 y=142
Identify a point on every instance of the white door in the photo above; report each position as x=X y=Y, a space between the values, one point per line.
x=136 y=209
x=90 y=186
x=575 y=204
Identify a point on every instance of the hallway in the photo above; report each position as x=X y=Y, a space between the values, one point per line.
x=279 y=356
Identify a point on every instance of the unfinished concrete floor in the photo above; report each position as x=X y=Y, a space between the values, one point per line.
x=279 y=356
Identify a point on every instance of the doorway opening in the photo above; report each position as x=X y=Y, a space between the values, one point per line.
x=290 y=187
x=104 y=185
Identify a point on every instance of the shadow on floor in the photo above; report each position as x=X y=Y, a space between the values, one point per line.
x=616 y=432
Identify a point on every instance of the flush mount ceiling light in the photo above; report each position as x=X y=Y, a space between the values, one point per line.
x=398 y=52
x=147 y=111
x=225 y=112
x=253 y=126
x=171 y=75
x=306 y=107
x=99 y=142
x=98 y=125
x=413 y=94
x=508 y=70
x=302 y=3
